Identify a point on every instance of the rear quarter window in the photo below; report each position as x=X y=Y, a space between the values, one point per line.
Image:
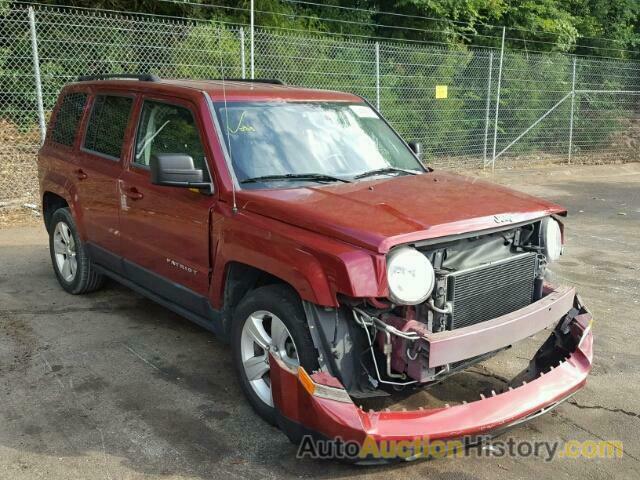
x=107 y=125
x=65 y=124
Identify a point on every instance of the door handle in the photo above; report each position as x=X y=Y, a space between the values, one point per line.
x=134 y=194
x=80 y=174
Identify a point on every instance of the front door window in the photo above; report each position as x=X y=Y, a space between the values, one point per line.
x=166 y=128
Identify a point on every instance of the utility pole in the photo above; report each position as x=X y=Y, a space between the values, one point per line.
x=251 y=53
x=573 y=100
x=487 y=112
x=495 y=125
x=378 y=76
x=243 y=68
x=36 y=73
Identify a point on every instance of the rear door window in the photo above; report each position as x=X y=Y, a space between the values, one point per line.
x=166 y=128
x=107 y=125
x=65 y=126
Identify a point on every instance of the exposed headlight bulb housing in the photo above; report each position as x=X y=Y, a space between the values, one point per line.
x=410 y=276
x=551 y=239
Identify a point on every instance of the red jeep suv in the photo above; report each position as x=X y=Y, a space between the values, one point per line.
x=297 y=225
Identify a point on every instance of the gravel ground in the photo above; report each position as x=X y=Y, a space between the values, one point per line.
x=110 y=385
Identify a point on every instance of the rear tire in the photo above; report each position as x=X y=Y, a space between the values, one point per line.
x=270 y=315
x=71 y=264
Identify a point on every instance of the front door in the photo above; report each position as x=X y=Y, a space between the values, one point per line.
x=165 y=230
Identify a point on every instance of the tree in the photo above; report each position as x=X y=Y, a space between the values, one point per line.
x=573 y=26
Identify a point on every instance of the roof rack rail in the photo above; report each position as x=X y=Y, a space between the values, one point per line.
x=272 y=81
x=144 y=77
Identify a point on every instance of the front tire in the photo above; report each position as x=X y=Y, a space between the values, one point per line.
x=71 y=264
x=269 y=318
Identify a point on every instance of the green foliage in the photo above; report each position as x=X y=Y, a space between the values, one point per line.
x=218 y=53
x=531 y=84
x=540 y=25
x=17 y=87
x=409 y=82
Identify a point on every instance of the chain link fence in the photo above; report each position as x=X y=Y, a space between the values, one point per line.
x=502 y=109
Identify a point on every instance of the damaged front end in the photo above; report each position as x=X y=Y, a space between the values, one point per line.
x=317 y=404
x=489 y=292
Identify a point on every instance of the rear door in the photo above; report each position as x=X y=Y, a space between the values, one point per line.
x=58 y=156
x=165 y=230
x=100 y=162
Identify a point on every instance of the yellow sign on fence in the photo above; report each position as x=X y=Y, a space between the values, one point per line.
x=441 y=91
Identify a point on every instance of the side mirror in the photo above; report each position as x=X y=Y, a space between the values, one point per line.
x=416 y=147
x=176 y=170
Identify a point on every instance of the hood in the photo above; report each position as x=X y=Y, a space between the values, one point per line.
x=381 y=213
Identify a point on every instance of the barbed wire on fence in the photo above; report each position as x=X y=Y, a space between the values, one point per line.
x=538 y=107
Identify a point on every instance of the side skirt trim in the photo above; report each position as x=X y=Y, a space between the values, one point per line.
x=175 y=297
x=213 y=323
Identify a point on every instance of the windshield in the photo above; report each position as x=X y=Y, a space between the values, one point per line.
x=310 y=142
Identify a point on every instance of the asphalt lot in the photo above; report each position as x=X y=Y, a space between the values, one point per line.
x=112 y=386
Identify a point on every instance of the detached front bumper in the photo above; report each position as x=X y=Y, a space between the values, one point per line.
x=319 y=405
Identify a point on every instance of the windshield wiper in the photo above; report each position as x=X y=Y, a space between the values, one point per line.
x=318 y=177
x=380 y=171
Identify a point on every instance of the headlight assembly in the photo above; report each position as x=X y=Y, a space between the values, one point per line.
x=410 y=276
x=551 y=239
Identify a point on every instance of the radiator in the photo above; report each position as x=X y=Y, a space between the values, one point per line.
x=489 y=291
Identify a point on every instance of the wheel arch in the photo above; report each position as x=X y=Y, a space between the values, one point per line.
x=50 y=203
x=54 y=196
x=241 y=279
x=324 y=324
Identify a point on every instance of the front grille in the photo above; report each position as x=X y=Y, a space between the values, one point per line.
x=489 y=291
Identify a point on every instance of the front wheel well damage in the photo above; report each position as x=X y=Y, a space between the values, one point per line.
x=241 y=279
x=335 y=336
x=342 y=347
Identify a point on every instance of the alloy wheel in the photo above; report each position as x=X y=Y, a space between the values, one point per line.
x=64 y=248
x=263 y=332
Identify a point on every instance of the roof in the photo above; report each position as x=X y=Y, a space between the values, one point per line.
x=234 y=90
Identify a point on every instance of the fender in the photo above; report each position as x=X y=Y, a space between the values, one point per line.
x=317 y=267
x=54 y=181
